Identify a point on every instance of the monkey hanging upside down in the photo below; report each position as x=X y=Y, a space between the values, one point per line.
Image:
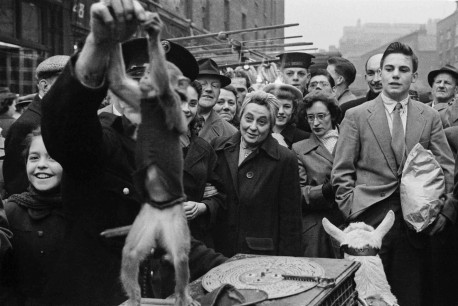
x=161 y=222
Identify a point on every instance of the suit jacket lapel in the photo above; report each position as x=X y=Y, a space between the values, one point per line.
x=414 y=126
x=321 y=149
x=379 y=124
x=454 y=113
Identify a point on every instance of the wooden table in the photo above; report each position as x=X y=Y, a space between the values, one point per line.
x=340 y=269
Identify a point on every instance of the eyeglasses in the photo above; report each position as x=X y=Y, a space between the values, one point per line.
x=319 y=117
x=321 y=83
x=214 y=84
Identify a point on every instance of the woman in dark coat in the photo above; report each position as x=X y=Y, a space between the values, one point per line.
x=262 y=210
x=38 y=226
x=201 y=185
x=315 y=157
x=285 y=130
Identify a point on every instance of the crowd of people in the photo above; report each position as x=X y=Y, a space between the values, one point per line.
x=262 y=166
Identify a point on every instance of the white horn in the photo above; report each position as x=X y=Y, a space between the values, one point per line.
x=333 y=231
x=386 y=225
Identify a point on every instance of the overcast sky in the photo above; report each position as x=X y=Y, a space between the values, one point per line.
x=322 y=21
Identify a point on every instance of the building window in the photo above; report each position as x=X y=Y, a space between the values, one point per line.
x=227 y=15
x=7 y=20
x=30 y=23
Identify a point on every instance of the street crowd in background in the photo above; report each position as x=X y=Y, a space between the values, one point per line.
x=264 y=163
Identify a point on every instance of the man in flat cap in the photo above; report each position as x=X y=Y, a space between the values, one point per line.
x=14 y=167
x=294 y=67
x=343 y=72
x=444 y=87
x=212 y=82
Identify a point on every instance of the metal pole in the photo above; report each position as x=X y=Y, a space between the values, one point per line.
x=248 y=63
x=223 y=35
x=252 y=48
x=244 y=42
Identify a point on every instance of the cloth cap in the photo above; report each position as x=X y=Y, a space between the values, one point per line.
x=446 y=69
x=135 y=55
x=52 y=65
x=208 y=67
x=295 y=59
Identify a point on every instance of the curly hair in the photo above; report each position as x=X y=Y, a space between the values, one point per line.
x=329 y=100
x=265 y=99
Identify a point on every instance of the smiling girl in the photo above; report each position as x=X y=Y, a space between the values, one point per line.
x=37 y=224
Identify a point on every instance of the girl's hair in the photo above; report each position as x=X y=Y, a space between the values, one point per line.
x=198 y=87
x=28 y=141
x=265 y=99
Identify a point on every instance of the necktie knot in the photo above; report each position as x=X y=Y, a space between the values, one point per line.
x=398 y=106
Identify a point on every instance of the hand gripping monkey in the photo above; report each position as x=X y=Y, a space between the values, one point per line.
x=161 y=222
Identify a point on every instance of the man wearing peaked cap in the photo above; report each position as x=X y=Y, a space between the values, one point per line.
x=295 y=69
x=212 y=81
x=135 y=56
x=14 y=172
x=444 y=84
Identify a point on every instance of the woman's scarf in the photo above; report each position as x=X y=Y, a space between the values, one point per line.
x=38 y=204
x=329 y=139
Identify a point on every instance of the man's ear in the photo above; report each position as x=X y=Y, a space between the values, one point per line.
x=414 y=77
x=43 y=85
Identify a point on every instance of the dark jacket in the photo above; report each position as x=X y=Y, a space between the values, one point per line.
x=199 y=169
x=14 y=166
x=315 y=165
x=291 y=134
x=215 y=126
x=262 y=213
x=36 y=247
x=97 y=188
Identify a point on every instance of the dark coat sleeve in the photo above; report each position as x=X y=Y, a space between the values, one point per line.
x=290 y=223
x=5 y=234
x=71 y=129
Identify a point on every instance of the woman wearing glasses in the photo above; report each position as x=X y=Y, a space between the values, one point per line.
x=262 y=213
x=315 y=157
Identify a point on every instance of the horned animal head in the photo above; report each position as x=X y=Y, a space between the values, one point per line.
x=359 y=235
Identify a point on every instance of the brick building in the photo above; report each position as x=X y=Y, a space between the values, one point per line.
x=447 y=40
x=32 y=30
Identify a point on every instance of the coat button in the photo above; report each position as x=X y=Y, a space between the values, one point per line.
x=40 y=233
x=249 y=174
x=42 y=252
x=382 y=194
x=126 y=191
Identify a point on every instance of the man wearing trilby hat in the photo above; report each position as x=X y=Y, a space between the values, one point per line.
x=212 y=81
x=444 y=83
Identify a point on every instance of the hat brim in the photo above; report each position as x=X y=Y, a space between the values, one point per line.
x=222 y=78
x=432 y=75
x=271 y=88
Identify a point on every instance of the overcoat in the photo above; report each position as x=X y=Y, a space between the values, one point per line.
x=97 y=190
x=262 y=213
x=215 y=126
x=315 y=164
x=448 y=112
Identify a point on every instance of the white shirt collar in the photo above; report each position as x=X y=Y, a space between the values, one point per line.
x=390 y=104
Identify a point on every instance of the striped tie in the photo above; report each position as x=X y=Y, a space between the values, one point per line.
x=398 y=143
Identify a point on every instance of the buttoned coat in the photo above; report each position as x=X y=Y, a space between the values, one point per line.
x=215 y=126
x=365 y=172
x=262 y=213
x=448 y=112
x=315 y=165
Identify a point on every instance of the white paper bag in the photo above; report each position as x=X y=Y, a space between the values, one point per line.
x=422 y=184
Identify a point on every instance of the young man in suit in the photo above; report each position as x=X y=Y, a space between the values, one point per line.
x=374 y=141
